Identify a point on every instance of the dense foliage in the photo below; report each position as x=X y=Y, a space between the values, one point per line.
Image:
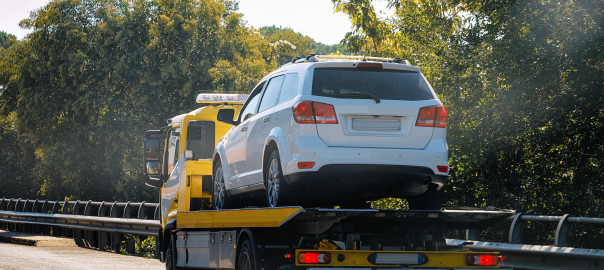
x=523 y=82
x=80 y=90
x=283 y=40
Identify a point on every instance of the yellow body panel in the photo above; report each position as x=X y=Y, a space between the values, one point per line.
x=190 y=184
x=359 y=258
x=236 y=218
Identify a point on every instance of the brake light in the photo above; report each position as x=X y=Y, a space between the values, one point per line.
x=370 y=65
x=442 y=168
x=325 y=113
x=434 y=116
x=303 y=113
x=483 y=260
x=441 y=117
x=310 y=112
x=314 y=258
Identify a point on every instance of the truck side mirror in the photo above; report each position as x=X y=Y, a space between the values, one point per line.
x=152 y=160
x=226 y=116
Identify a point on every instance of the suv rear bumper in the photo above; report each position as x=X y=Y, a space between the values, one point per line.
x=353 y=181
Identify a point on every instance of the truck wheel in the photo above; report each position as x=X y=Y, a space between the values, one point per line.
x=431 y=200
x=246 y=258
x=171 y=255
x=219 y=195
x=276 y=187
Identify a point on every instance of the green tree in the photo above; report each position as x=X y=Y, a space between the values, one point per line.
x=6 y=40
x=93 y=75
x=523 y=84
x=286 y=44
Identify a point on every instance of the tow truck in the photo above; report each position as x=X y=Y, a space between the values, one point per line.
x=178 y=161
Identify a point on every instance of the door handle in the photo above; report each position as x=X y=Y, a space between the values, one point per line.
x=244 y=129
x=266 y=119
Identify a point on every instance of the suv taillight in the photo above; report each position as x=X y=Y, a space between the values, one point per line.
x=310 y=112
x=435 y=116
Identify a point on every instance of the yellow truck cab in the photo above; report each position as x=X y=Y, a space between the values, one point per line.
x=178 y=161
x=188 y=143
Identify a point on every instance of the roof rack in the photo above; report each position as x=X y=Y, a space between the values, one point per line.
x=335 y=58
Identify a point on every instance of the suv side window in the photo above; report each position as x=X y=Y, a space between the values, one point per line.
x=289 y=88
x=249 y=109
x=269 y=99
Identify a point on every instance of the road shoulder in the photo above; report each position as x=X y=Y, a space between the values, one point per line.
x=35 y=240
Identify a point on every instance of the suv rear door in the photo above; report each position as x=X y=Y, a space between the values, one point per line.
x=375 y=107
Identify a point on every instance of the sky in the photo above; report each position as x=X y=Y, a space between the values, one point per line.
x=313 y=18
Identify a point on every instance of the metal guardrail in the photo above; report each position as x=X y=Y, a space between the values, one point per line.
x=103 y=224
x=519 y=255
x=98 y=224
x=562 y=230
x=111 y=209
x=522 y=256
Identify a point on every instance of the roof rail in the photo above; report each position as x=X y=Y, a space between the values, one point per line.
x=335 y=58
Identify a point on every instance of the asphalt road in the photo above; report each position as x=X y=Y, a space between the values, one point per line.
x=15 y=257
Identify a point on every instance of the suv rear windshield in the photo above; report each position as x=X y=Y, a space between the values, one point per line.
x=383 y=84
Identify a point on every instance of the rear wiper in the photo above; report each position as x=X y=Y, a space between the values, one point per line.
x=360 y=95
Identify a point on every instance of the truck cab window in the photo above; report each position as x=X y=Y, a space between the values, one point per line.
x=173 y=145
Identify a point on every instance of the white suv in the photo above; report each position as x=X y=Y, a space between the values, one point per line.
x=335 y=130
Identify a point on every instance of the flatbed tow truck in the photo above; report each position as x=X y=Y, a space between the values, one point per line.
x=178 y=161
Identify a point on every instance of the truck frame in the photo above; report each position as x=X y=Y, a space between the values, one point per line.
x=178 y=162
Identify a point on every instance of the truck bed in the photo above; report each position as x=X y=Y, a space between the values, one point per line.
x=325 y=217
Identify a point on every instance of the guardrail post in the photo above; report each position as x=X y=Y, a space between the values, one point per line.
x=34 y=209
x=142 y=215
x=141 y=211
x=2 y=224
x=562 y=232
x=18 y=227
x=27 y=228
x=55 y=210
x=77 y=234
x=89 y=240
x=44 y=209
x=103 y=237
x=515 y=236
x=130 y=244
x=116 y=238
x=65 y=210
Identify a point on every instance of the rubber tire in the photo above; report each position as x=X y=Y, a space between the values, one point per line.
x=246 y=256
x=171 y=256
x=431 y=200
x=273 y=170
x=224 y=204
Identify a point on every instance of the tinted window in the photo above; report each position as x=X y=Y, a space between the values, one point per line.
x=271 y=93
x=290 y=88
x=249 y=108
x=384 y=84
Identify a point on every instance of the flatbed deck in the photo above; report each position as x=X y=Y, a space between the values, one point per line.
x=278 y=217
